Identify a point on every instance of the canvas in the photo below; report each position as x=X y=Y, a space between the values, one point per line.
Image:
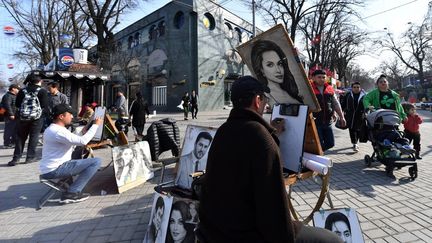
x=182 y=221
x=273 y=60
x=196 y=144
x=159 y=219
x=131 y=166
x=343 y=222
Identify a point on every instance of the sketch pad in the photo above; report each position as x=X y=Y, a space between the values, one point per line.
x=292 y=139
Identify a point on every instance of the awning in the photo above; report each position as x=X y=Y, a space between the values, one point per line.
x=87 y=78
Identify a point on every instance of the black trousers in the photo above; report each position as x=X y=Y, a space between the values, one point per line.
x=26 y=129
x=9 y=136
x=194 y=110
x=139 y=129
x=354 y=135
x=414 y=136
x=308 y=234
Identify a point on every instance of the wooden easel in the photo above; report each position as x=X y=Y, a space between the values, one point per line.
x=311 y=145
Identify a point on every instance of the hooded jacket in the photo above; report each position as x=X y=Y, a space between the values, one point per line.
x=373 y=99
x=353 y=114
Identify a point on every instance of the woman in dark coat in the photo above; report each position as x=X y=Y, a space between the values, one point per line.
x=352 y=106
x=138 y=111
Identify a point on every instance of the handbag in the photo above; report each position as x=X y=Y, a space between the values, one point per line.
x=338 y=124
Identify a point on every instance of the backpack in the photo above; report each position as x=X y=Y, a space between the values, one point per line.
x=30 y=107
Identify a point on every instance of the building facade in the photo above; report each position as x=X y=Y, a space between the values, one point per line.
x=185 y=45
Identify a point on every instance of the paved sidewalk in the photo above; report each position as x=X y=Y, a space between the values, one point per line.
x=389 y=211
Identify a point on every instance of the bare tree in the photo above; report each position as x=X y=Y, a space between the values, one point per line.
x=356 y=74
x=320 y=27
x=102 y=17
x=40 y=24
x=395 y=72
x=412 y=50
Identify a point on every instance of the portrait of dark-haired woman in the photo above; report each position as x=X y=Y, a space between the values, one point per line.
x=179 y=231
x=270 y=65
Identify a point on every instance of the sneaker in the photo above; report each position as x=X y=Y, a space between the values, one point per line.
x=355 y=147
x=69 y=197
x=12 y=163
x=8 y=146
x=30 y=160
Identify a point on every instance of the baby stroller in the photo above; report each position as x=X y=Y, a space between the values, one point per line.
x=389 y=145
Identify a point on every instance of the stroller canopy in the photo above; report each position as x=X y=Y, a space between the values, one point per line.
x=383 y=117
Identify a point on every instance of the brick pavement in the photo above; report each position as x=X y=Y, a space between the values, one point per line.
x=389 y=211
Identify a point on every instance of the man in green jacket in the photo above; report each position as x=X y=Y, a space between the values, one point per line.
x=385 y=98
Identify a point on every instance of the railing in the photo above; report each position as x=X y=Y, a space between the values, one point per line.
x=159 y=95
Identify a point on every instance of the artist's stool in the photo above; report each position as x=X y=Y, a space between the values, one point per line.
x=55 y=185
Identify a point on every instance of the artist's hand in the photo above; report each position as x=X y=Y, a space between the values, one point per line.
x=279 y=124
x=371 y=107
x=98 y=121
x=12 y=117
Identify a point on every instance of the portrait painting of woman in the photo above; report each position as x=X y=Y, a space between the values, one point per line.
x=272 y=59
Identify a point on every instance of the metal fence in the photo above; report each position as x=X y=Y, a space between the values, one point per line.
x=159 y=95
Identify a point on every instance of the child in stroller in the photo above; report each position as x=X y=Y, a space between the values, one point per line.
x=390 y=146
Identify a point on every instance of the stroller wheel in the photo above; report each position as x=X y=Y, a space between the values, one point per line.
x=413 y=172
x=368 y=160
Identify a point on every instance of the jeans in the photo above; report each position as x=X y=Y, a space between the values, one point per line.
x=84 y=168
x=325 y=133
x=9 y=136
x=26 y=129
x=194 y=111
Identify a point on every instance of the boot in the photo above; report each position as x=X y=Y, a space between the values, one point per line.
x=417 y=155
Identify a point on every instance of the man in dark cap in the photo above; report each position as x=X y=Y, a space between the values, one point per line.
x=243 y=193
x=32 y=107
x=57 y=153
x=8 y=103
x=329 y=104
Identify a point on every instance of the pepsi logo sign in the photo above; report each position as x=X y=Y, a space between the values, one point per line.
x=67 y=60
x=9 y=30
x=10 y=66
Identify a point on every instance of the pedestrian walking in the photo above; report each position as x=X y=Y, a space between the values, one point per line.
x=8 y=103
x=186 y=103
x=138 y=112
x=329 y=104
x=352 y=105
x=32 y=105
x=120 y=104
x=194 y=104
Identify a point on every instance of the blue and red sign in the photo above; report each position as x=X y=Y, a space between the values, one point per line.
x=65 y=58
x=67 y=61
x=10 y=66
x=9 y=30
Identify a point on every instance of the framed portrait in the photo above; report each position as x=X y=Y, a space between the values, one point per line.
x=193 y=157
x=182 y=220
x=159 y=219
x=343 y=222
x=131 y=166
x=273 y=60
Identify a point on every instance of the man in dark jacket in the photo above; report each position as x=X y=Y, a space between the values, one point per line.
x=243 y=194
x=353 y=109
x=29 y=127
x=8 y=103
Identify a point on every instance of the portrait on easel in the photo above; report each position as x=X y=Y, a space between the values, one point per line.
x=193 y=158
x=159 y=219
x=273 y=60
x=343 y=222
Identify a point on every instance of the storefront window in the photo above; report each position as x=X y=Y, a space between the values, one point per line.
x=209 y=21
x=228 y=30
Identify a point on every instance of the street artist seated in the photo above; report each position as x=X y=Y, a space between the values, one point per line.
x=56 y=161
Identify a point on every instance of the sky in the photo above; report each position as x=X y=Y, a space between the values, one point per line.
x=376 y=14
